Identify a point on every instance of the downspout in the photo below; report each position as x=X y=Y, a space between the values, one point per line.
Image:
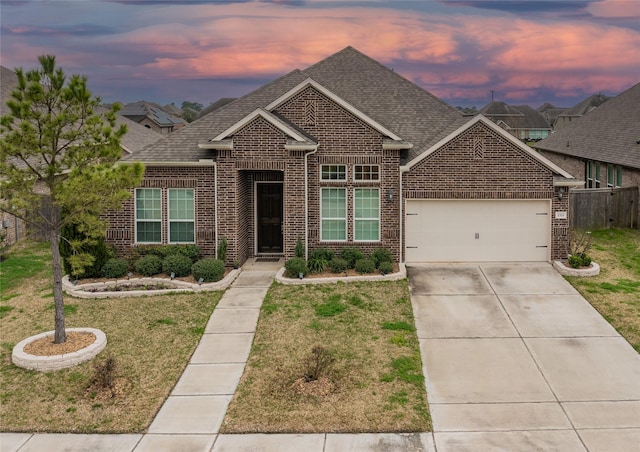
x=306 y=203
x=215 y=206
x=401 y=210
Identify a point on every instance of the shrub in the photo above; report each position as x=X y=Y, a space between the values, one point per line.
x=321 y=253
x=318 y=363
x=148 y=265
x=381 y=255
x=351 y=255
x=365 y=266
x=579 y=260
x=295 y=266
x=98 y=249
x=317 y=265
x=221 y=253
x=104 y=375
x=385 y=267
x=190 y=250
x=338 y=265
x=298 y=251
x=115 y=268
x=178 y=264
x=210 y=270
x=579 y=241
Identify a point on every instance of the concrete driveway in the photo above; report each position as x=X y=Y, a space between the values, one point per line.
x=516 y=360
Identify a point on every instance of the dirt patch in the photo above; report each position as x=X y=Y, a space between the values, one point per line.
x=316 y=388
x=76 y=340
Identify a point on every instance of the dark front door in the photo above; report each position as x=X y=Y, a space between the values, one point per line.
x=269 y=199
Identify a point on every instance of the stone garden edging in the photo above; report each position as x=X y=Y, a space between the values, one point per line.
x=400 y=274
x=593 y=270
x=81 y=290
x=56 y=362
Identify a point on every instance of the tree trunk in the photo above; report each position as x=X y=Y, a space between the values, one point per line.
x=54 y=240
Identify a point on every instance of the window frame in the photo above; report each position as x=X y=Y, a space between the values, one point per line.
x=597 y=175
x=343 y=219
x=171 y=221
x=356 y=219
x=338 y=173
x=610 y=176
x=147 y=220
x=618 y=177
x=369 y=173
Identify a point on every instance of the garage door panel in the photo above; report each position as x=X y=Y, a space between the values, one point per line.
x=474 y=230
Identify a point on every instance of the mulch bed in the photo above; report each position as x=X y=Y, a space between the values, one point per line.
x=76 y=340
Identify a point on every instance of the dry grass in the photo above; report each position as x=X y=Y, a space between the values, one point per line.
x=375 y=383
x=615 y=293
x=151 y=339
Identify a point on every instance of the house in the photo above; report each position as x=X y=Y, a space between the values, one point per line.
x=602 y=147
x=152 y=117
x=563 y=119
x=520 y=121
x=136 y=138
x=347 y=153
x=550 y=112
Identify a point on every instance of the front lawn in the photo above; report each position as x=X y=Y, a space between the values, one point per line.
x=150 y=338
x=333 y=358
x=615 y=293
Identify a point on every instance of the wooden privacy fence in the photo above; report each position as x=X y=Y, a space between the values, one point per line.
x=603 y=208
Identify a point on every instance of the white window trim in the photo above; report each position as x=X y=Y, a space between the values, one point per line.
x=322 y=219
x=334 y=181
x=367 y=181
x=169 y=220
x=136 y=220
x=366 y=219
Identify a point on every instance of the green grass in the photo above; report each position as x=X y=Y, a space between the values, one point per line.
x=374 y=382
x=151 y=338
x=615 y=293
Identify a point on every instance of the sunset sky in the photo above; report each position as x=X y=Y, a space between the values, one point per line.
x=527 y=52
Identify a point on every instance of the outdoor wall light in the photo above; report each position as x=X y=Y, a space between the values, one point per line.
x=561 y=192
x=390 y=194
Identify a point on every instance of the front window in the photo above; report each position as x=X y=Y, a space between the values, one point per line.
x=367 y=214
x=618 y=176
x=366 y=173
x=333 y=213
x=610 y=176
x=333 y=172
x=593 y=174
x=181 y=215
x=148 y=215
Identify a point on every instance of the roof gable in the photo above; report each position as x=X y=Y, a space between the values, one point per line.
x=507 y=136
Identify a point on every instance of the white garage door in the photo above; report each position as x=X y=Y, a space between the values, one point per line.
x=480 y=231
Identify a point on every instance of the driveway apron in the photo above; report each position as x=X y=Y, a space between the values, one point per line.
x=516 y=359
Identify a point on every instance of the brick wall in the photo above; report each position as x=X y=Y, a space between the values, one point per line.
x=121 y=230
x=480 y=164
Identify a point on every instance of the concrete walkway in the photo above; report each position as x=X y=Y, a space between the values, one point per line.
x=514 y=360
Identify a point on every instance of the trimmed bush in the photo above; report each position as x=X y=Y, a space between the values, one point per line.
x=210 y=270
x=178 y=264
x=586 y=259
x=579 y=260
x=385 y=267
x=365 y=266
x=115 y=268
x=338 y=265
x=298 y=251
x=148 y=265
x=190 y=250
x=321 y=253
x=295 y=266
x=381 y=255
x=351 y=255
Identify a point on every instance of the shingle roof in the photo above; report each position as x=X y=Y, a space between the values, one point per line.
x=399 y=105
x=136 y=138
x=586 y=106
x=516 y=117
x=610 y=134
x=136 y=111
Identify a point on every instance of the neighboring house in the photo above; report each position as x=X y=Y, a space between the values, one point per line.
x=549 y=112
x=521 y=121
x=136 y=138
x=569 y=115
x=602 y=147
x=152 y=116
x=347 y=153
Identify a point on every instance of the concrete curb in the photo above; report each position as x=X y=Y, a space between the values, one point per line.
x=56 y=362
x=179 y=286
x=594 y=270
x=401 y=274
